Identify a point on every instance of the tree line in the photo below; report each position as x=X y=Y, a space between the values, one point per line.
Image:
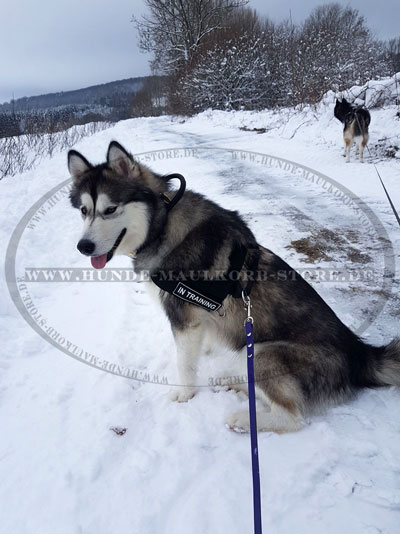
x=221 y=54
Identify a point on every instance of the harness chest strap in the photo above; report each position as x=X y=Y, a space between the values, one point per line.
x=209 y=294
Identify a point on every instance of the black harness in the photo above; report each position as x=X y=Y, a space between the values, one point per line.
x=355 y=112
x=197 y=288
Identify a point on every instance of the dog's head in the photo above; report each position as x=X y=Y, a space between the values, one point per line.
x=342 y=108
x=118 y=201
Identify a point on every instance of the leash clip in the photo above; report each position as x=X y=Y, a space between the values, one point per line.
x=247 y=305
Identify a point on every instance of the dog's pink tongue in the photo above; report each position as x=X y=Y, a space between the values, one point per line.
x=98 y=262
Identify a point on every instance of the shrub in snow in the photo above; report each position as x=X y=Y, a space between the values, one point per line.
x=22 y=153
x=375 y=93
x=231 y=75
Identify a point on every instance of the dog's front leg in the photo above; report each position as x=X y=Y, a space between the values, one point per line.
x=189 y=345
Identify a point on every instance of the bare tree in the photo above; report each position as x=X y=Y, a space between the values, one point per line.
x=231 y=71
x=335 y=49
x=175 y=29
x=393 y=51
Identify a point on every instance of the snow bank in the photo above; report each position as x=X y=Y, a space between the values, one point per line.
x=375 y=93
x=317 y=124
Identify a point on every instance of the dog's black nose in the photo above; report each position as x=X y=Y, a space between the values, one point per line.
x=86 y=247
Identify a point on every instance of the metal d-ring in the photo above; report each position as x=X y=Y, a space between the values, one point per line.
x=224 y=311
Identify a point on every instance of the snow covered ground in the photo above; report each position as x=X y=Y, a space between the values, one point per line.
x=177 y=469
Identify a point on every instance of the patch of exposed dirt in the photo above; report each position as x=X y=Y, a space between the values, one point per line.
x=356 y=256
x=312 y=250
x=385 y=148
x=327 y=245
x=258 y=130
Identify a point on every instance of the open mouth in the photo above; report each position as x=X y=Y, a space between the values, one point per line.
x=99 y=262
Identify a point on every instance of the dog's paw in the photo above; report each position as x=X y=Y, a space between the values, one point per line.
x=181 y=393
x=238 y=422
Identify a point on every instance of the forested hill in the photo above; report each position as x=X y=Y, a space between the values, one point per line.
x=106 y=94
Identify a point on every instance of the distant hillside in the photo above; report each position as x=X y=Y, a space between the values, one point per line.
x=112 y=94
x=53 y=112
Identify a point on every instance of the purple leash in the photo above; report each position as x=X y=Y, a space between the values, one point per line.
x=248 y=324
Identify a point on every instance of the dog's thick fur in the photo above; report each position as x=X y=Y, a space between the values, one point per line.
x=355 y=122
x=305 y=357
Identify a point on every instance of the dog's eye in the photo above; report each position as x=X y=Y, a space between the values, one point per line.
x=84 y=210
x=110 y=210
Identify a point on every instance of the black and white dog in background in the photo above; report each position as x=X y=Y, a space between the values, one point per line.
x=355 y=120
x=305 y=357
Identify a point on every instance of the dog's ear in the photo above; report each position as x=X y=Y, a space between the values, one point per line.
x=119 y=160
x=77 y=164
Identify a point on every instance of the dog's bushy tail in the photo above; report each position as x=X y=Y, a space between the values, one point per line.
x=387 y=364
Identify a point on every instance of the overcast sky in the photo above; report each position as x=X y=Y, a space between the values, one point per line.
x=55 y=45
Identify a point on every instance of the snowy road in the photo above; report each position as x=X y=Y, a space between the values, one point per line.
x=177 y=469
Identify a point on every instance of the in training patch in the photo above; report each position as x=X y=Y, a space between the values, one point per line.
x=190 y=295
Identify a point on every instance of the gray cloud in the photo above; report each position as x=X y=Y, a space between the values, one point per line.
x=58 y=45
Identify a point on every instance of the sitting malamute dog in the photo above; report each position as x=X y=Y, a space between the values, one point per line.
x=305 y=357
x=356 y=121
